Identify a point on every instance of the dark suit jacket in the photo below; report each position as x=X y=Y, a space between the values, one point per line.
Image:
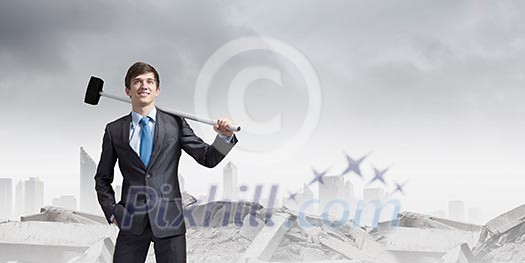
x=151 y=191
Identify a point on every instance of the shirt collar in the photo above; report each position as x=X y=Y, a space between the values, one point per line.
x=135 y=117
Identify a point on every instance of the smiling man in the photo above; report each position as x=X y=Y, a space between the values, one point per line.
x=148 y=144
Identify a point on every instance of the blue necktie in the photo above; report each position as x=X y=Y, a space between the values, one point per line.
x=146 y=142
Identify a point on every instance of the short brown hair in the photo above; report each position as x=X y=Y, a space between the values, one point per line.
x=140 y=68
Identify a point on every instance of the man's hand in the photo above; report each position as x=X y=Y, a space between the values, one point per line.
x=222 y=127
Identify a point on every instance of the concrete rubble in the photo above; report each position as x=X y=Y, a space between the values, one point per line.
x=101 y=252
x=267 y=239
x=57 y=214
x=415 y=237
x=54 y=240
x=459 y=254
x=247 y=232
x=503 y=238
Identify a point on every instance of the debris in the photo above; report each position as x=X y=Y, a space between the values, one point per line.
x=503 y=223
x=459 y=254
x=241 y=231
x=100 y=252
x=415 y=220
x=49 y=241
x=352 y=252
x=266 y=242
x=222 y=213
x=58 y=214
x=251 y=226
x=503 y=238
x=188 y=199
x=433 y=241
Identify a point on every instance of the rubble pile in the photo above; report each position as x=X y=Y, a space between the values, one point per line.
x=58 y=214
x=247 y=232
x=55 y=242
x=503 y=238
x=248 y=235
x=416 y=237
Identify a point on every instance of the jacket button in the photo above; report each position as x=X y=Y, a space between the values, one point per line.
x=148 y=176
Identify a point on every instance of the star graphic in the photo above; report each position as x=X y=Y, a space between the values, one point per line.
x=318 y=177
x=291 y=196
x=399 y=187
x=379 y=175
x=353 y=165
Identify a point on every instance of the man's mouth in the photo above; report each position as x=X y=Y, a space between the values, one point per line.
x=143 y=93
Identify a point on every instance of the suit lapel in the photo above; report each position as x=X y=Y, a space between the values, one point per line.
x=125 y=126
x=158 y=136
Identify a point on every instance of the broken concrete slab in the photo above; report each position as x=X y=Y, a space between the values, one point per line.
x=457 y=225
x=459 y=254
x=416 y=220
x=251 y=226
x=266 y=242
x=360 y=239
x=49 y=241
x=505 y=247
x=188 y=199
x=506 y=221
x=55 y=233
x=433 y=241
x=503 y=238
x=59 y=214
x=100 y=252
x=352 y=252
x=98 y=219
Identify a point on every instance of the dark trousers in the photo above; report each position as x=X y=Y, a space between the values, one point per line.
x=132 y=248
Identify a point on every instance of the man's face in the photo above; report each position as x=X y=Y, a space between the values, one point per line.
x=143 y=89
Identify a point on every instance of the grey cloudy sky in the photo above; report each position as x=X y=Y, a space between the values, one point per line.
x=433 y=87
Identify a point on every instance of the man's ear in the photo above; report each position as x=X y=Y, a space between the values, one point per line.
x=127 y=92
x=158 y=92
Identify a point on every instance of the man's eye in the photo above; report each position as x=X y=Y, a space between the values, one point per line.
x=150 y=81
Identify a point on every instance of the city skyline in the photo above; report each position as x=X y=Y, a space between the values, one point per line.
x=330 y=188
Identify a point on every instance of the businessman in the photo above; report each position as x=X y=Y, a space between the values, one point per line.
x=148 y=144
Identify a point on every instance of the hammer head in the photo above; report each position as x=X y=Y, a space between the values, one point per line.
x=93 y=90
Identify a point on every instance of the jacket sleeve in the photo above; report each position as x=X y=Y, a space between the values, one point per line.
x=205 y=154
x=104 y=176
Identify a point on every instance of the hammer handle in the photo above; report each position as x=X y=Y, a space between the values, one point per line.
x=185 y=115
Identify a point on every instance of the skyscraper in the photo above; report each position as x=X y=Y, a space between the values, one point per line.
x=371 y=209
x=33 y=195
x=88 y=196
x=333 y=196
x=456 y=210
x=6 y=198
x=19 y=200
x=349 y=193
x=230 y=184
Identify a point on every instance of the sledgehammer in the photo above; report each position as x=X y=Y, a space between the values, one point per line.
x=94 y=92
